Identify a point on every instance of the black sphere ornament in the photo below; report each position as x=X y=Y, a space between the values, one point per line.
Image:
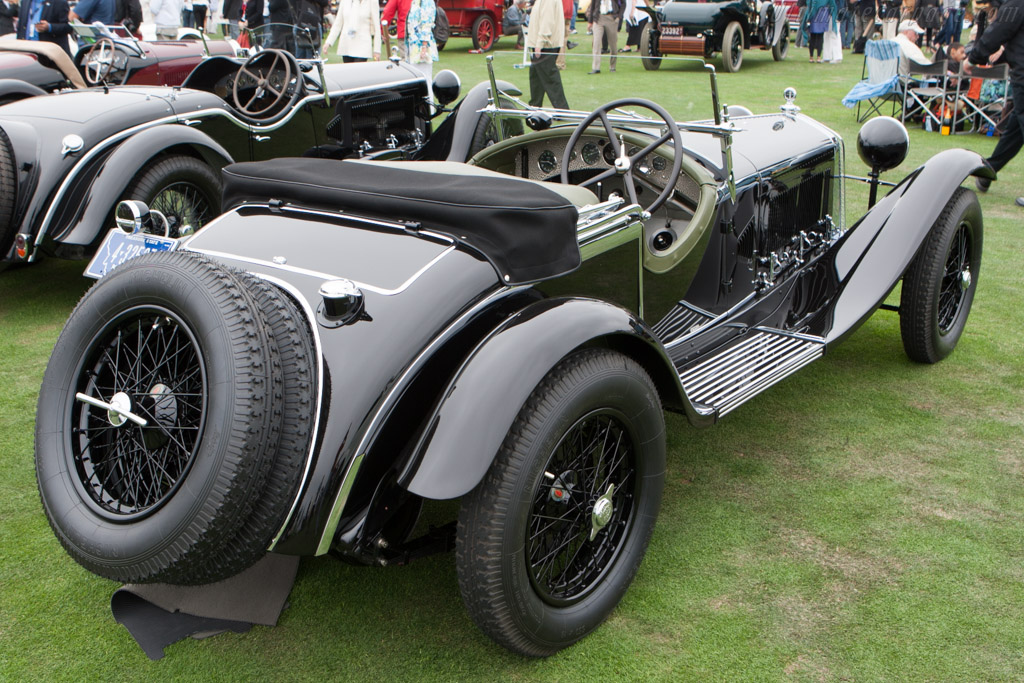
x=883 y=143
x=446 y=86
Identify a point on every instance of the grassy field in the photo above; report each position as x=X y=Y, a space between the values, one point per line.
x=863 y=520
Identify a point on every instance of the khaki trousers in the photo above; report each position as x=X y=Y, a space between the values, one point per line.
x=605 y=24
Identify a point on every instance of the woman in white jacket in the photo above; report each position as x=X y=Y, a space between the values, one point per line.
x=358 y=25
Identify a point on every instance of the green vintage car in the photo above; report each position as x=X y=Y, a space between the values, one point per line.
x=701 y=29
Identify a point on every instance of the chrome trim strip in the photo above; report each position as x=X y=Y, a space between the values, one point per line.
x=70 y=177
x=327 y=276
x=716 y=320
x=339 y=503
x=311 y=319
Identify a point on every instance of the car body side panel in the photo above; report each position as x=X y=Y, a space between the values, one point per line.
x=877 y=250
x=483 y=399
x=114 y=176
x=13 y=89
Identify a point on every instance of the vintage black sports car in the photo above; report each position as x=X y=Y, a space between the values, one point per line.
x=67 y=159
x=701 y=29
x=353 y=338
x=29 y=68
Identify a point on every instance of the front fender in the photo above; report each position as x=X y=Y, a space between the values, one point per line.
x=123 y=165
x=482 y=400
x=876 y=251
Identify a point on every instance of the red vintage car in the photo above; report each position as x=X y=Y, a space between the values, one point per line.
x=478 y=19
x=29 y=68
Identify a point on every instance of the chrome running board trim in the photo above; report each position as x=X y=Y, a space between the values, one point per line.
x=743 y=369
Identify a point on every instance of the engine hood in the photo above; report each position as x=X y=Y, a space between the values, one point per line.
x=124 y=106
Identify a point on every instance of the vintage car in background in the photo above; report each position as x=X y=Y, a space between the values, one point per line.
x=29 y=67
x=68 y=158
x=701 y=29
x=480 y=20
x=353 y=338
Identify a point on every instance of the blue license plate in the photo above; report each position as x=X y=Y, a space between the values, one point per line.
x=119 y=246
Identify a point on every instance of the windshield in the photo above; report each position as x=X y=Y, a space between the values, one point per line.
x=301 y=41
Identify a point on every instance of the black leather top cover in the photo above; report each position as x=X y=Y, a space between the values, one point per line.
x=527 y=231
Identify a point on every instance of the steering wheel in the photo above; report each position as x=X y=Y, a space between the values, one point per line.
x=98 y=62
x=624 y=163
x=270 y=73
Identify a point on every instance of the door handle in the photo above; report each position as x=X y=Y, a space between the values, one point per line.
x=260 y=138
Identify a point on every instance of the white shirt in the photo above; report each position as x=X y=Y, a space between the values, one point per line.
x=166 y=13
x=909 y=50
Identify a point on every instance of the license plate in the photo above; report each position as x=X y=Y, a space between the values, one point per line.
x=119 y=246
x=671 y=30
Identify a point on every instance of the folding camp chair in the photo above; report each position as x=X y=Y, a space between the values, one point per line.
x=972 y=107
x=880 y=83
x=924 y=91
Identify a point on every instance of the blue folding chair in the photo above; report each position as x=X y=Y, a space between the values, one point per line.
x=880 y=82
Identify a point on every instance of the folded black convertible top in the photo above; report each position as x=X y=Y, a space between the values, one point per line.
x=525 y=229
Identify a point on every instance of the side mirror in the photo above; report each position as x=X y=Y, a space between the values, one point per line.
x=447 y=87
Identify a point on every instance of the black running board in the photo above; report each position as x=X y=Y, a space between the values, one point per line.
x=745 y=367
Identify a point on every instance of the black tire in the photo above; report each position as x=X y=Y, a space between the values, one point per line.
x=511 y=598
x=442 y=30
x=650 y=57
x=732 y=47
x=162 y=502
x=486 y=133
x=292 y=344
x=8 y=194
x=939 y=285
x=485 y=33
x=781 y=47
x=183 y=188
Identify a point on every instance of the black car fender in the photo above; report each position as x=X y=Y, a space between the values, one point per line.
x=483 y=398
x=124 y=164
x=875 y=253
x=12 y=89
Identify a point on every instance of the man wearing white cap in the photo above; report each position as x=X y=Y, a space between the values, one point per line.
x=906 y=37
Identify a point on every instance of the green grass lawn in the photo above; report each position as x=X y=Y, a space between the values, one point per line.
x=863 y=520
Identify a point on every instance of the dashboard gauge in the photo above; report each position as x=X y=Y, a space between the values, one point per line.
x=659 y=163
x=547 y=163
x=609 y=154
x=591 y=154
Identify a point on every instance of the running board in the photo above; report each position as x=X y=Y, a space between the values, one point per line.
x=742 y=369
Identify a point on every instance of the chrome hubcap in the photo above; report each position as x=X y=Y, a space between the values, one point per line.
x=603 y=510
x=121 y=404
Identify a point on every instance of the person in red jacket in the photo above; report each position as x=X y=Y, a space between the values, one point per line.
x=399 y=11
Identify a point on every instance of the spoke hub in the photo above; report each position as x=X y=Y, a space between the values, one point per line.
x=122 y=404
x=602 y=513
x=965 y=279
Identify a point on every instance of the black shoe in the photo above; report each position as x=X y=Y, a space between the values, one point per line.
x=571 y=45
x=1019 y=201
x=982 y=184
x=594 y=71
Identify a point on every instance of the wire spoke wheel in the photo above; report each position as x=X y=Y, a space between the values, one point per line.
x=551 y=538
x=562 y=559
x=939 y=284
x=150 y=356
x=956 y=280
x=186 y=205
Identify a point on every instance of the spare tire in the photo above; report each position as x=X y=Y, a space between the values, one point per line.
x=177 y=343
x=8 y=194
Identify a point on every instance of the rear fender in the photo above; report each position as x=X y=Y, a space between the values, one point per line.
x=874 y=254
x=482 y=400
x=12 y=89
x=123 y=165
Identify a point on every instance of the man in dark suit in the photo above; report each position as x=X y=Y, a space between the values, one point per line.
x=8 y=13
x=45 y=20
